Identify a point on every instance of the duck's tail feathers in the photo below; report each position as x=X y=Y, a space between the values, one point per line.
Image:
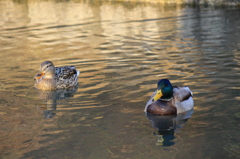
x=78 y=72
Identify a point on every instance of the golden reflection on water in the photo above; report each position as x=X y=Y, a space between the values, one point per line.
x=122 y=51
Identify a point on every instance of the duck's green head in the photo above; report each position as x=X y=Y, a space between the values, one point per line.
x=164 y=90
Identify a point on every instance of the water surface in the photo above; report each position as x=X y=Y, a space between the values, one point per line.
x=122 y=50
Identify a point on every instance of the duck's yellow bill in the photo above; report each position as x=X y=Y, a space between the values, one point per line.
x=158 y=95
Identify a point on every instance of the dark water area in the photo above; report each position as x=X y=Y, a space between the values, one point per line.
x=122 y=50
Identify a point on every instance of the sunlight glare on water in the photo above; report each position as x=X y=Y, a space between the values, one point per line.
x=122 y=50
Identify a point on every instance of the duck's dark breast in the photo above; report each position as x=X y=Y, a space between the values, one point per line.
x=162 y=108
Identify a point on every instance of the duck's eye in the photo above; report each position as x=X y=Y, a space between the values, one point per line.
x=49 y=66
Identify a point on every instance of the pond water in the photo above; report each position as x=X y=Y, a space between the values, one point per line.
x=122 y=50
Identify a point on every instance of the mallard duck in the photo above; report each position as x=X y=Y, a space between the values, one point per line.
x=51 y=77
x=169 y=100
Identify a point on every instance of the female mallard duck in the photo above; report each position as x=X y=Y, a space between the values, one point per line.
x=51 y=78
x=169 y=100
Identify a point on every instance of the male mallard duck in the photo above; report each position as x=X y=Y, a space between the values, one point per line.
x=51 y=78
x=169 y=100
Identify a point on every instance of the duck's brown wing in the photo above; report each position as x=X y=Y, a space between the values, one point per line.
x=66 y=72
x=66 y=76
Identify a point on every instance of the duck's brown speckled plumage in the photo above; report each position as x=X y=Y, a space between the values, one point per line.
x=66 y=76
x=51 y=78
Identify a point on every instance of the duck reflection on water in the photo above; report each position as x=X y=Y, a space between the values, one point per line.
x=167 y=126
x=51 y=97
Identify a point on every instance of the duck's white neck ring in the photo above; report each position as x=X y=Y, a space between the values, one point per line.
x=165 y=99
